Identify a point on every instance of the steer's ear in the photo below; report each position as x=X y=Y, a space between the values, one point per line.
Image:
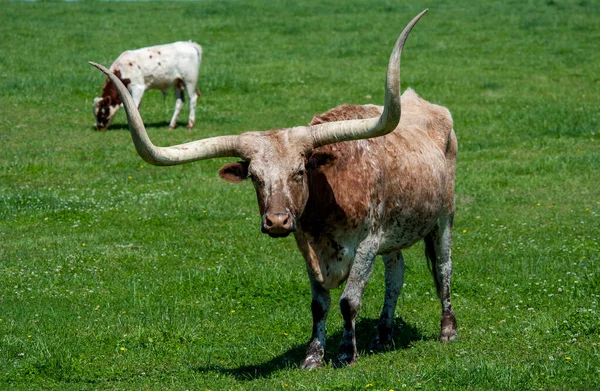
x=320 y=159
x=234 y=172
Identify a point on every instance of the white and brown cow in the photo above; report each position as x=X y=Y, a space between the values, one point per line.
x=157 y=67
x=358 y=182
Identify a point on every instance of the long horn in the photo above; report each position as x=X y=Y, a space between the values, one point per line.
x=222 y=146
x=334 y=132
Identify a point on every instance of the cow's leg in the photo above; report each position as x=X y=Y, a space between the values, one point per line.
x=351 y=298
x=137 y=93
x=437 y=251
x=320 y=307
x=179 y=97
x=193 y=94
x=394 y=279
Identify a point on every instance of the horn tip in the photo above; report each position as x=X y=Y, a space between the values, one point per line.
x=99 y=66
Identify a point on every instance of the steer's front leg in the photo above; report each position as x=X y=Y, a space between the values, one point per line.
x=351 y=299
x=320 y=307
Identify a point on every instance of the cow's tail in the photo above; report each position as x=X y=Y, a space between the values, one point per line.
x=198 y=49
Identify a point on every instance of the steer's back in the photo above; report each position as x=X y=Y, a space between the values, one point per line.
x=393 y=188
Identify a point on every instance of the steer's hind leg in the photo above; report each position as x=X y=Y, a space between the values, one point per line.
x=437 y=251
x=320 y=307
x=394 y=279
x=179 y=98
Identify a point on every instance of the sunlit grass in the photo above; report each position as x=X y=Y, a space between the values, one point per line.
x=119 y=275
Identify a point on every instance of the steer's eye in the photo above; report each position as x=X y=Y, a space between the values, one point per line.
x=299 y=175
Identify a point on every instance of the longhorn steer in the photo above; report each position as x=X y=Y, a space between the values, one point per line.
x=157 y=67
x=356 y=183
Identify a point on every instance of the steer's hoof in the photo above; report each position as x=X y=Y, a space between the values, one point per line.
x=347 y=354
x=383 y=341
x=311 y=362
x=448 y=337
x=190 y=125
x=345 y=361
x=448 y=330
x=377 y=346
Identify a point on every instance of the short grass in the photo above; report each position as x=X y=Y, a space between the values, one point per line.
x=115 y=275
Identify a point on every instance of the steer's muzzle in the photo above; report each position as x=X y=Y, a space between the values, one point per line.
x=278 y=225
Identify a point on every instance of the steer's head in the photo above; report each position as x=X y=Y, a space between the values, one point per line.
x=275 y=161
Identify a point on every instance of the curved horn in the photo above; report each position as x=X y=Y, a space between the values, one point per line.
x=334 y=132
x=223 y=146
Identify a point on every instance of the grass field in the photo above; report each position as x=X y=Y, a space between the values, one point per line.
x=116 y=275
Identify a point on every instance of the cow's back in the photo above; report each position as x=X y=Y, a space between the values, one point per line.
x=394 y=186
x=156 y=67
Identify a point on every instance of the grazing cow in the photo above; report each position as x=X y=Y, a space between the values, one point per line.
x=157 y=67
x=358 y=182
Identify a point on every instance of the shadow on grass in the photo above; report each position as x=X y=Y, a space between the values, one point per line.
x=404 y=336
x=148 y=125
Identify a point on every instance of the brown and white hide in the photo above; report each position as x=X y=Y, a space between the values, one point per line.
x=376 y=197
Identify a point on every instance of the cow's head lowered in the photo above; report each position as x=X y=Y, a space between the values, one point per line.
x=106 y=106
x=275 y=161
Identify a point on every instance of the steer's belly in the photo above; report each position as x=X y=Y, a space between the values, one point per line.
x=403 y=233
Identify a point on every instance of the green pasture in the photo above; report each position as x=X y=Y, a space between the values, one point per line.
x=117 y=275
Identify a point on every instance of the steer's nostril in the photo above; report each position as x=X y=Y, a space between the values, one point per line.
x=278 y=224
